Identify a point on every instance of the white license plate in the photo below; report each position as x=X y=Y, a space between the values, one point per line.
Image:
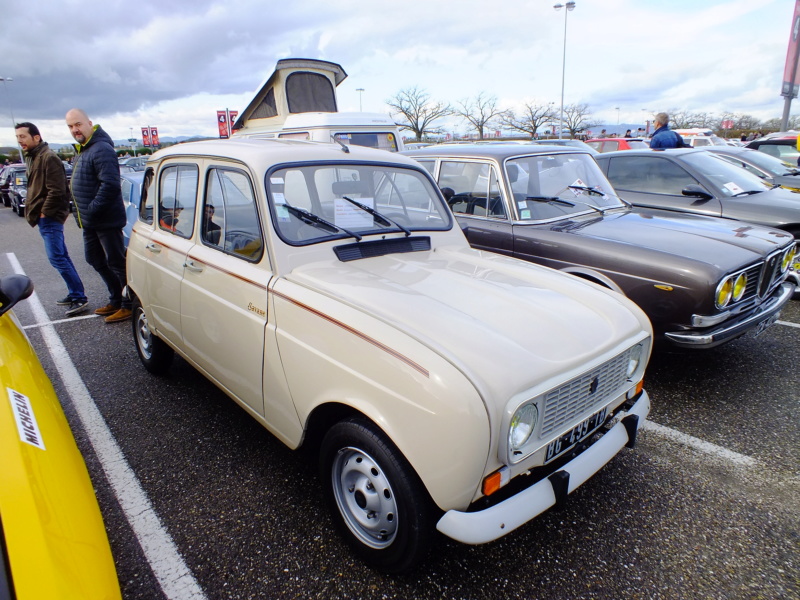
x=578 y=433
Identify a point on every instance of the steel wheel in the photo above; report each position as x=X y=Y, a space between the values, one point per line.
x=377 y=499
x=364 y=497
x=155 y=355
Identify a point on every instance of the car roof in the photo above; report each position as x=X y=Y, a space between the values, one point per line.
x=262 y=154
x=651 y=152
x=495 y=151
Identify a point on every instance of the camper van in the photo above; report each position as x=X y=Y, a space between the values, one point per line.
x=298 y=101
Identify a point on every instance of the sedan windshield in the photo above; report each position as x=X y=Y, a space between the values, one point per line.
x=548 y=186
x=726 y=178
x=770 y=164
x=316 y=203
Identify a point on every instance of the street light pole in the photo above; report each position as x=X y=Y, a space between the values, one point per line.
x=569 y=6
x=360 y=94
x=5 y=81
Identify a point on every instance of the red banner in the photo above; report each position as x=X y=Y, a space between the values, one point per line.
x=154 y=136
x=232 y=119
x=790 y=71
x=146 y=137
x=222 y=121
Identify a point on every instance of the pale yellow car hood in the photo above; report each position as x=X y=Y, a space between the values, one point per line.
x=516 y=322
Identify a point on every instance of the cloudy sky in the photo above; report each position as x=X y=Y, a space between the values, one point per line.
x=173 y=63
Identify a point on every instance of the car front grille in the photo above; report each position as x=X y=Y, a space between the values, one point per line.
x=764 y=276
x=593 y=388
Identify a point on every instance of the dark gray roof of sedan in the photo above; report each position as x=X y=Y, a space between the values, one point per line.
x=495 y=151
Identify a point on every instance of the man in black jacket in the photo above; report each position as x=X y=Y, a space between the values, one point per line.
x=47 y=206
x=100 y=210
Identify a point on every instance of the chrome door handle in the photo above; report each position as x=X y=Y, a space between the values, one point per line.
x=153 y=248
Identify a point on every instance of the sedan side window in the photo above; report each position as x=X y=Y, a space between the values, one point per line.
x=475 y=187
x=648 y=175
x=230 y=218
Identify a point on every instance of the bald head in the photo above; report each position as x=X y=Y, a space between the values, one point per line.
x=79 y=125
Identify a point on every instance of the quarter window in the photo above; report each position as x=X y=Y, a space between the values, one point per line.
x=472 y=188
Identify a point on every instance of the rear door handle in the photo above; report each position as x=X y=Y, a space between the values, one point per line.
x=153 y=248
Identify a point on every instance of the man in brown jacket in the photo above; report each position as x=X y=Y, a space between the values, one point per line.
x=47 y=205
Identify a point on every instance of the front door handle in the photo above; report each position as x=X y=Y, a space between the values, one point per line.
x=155 y=248
x=190 y=264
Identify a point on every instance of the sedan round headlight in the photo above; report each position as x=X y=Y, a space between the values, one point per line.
x=739 y=287
x=724 y=290
x=522 y=426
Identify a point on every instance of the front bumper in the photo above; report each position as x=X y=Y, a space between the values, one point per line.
x=729 y=330
x=496 y=521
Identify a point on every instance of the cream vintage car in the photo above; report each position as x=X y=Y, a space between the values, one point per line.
x=328 y=291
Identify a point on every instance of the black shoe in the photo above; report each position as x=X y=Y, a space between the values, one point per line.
x=65 y=301
x=76 y=307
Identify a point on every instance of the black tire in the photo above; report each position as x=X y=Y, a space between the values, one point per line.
x=377 y=500
x=156 y=356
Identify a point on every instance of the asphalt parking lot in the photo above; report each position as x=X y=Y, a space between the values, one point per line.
x=212 y=506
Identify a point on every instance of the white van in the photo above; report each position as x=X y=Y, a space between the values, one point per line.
x=298 y=101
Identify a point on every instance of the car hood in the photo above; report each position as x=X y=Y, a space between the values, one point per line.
x=724 y=242
x=482 y=312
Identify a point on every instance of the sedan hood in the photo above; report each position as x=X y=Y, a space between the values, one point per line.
x=483 y=312
x=695 y=237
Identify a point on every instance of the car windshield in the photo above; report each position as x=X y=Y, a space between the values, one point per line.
x=770 y=164
x=548 y=186
x=728 y=179
x=319 y=202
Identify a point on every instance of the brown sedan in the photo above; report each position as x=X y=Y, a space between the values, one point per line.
x=702 y=280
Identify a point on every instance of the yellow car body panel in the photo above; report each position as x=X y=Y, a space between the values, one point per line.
x=51 y=523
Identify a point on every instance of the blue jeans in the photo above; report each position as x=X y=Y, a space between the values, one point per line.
x=52 y=233
x=105 y=251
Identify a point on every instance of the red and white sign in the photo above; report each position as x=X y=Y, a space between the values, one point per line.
x=146 y=137
x=791 y=72
x=154 y=136
x=222 y=121
x=727 y=124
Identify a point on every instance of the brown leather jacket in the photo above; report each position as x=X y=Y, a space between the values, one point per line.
x=47 y=186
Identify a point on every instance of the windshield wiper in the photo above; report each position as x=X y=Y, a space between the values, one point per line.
x=317 y=221
x=551 y=200
x=383 y=219
x=586 y=188
x=747 y=193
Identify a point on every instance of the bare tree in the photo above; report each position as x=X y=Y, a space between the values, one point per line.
x=417 y=111
x=577 y=118
x=479 y=112
x=531 y=118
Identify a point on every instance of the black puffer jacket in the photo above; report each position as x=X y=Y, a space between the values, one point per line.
x=96 y=185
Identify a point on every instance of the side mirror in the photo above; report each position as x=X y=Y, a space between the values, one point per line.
x=696 y=191
x=13 y=289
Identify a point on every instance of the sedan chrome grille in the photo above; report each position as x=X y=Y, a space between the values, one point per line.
x=573 y=399
x=770 y=273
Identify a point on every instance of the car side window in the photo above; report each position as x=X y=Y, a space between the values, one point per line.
x=230 y=216
x=147 y=202
x=475 y=186
x=649 y=175
x=178 y=199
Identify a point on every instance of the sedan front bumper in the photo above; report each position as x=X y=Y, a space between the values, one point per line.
x=729 y=330
x=492 y=523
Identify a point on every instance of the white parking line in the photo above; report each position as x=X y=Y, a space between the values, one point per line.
x=175 y=578
x=698 y=444
x=788 y=324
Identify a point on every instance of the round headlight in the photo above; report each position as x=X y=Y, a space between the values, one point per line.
x=739 y=286
x=724 y=292
x=634 y=359
x=787 y=259
x=522 y=426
